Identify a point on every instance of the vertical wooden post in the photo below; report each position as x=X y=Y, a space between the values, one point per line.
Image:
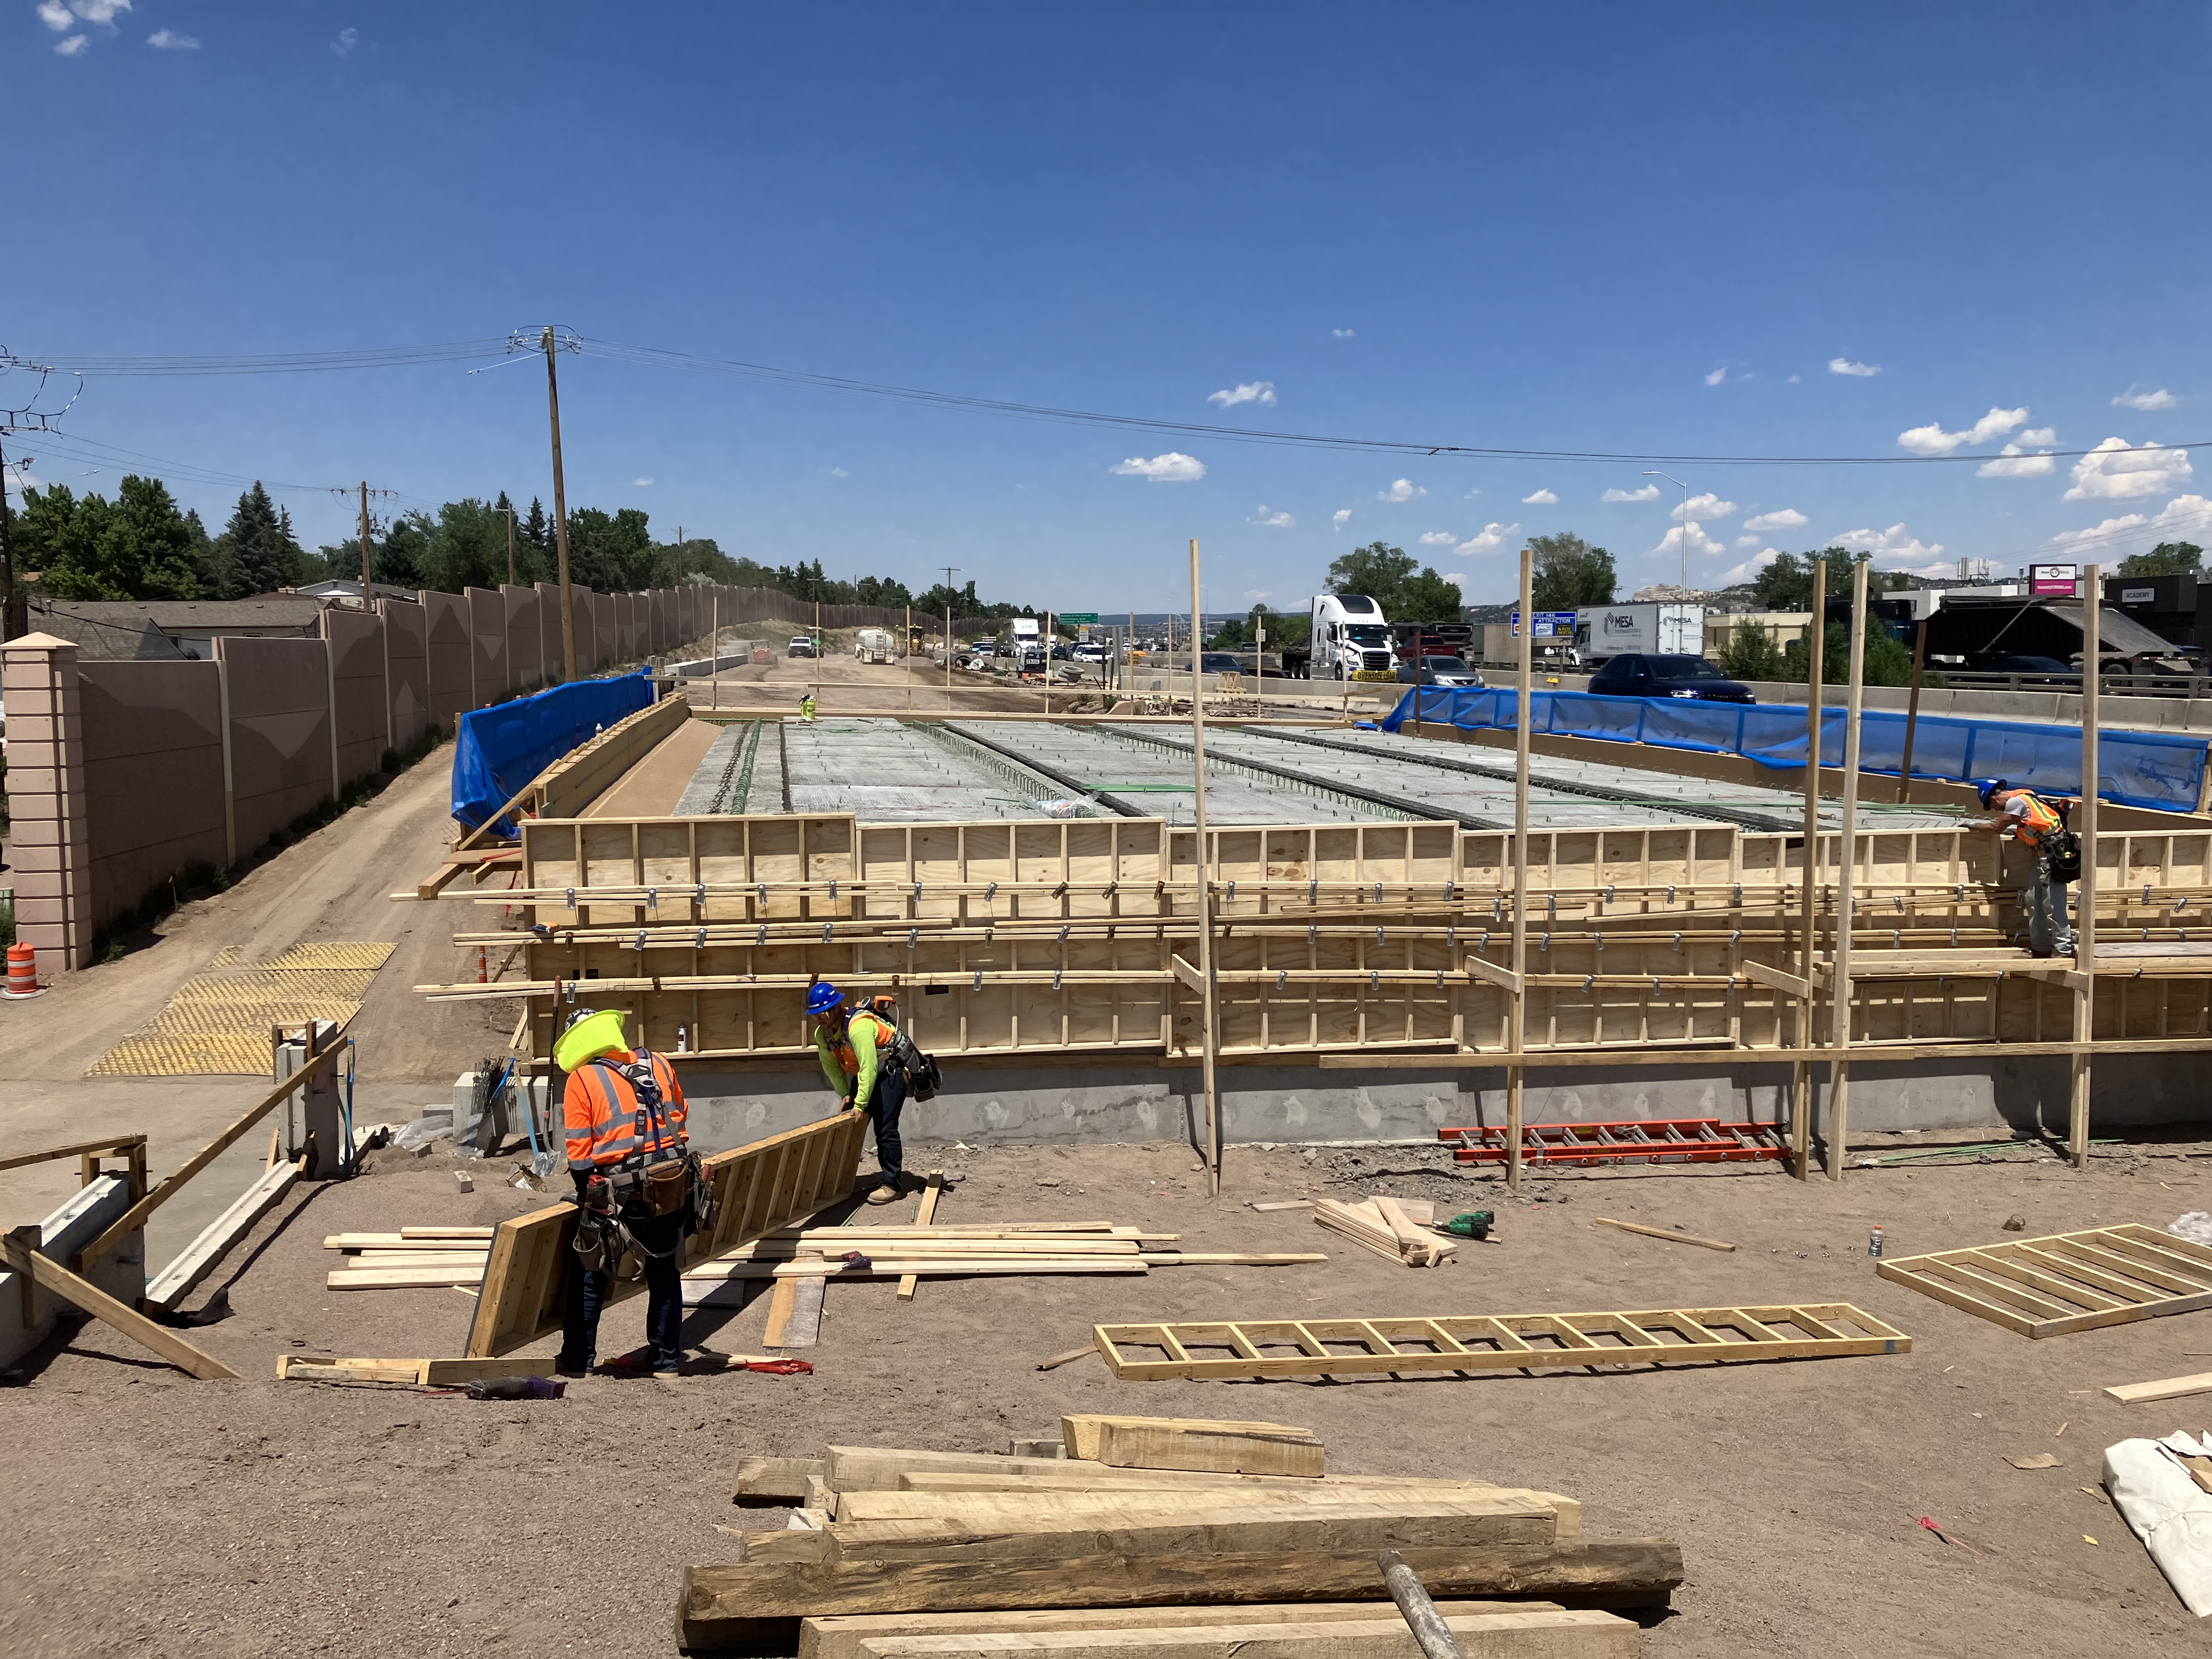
x=714 y=649
x=1839 y=983
x=1205 y=891
x=1047 y=662
x=2085 y=926
x=560 y=515
x=1808 y=1008
x=1417 y=682
x=1913 y=710
x=1517 y=1036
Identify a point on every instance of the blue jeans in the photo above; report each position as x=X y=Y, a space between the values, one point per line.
x=660 y=1241
x=889 y=1098
x=2049 y=928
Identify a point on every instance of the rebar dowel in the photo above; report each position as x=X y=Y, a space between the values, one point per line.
x=1420 y=1613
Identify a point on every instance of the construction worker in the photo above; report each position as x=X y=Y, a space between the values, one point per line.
x=2036 y=823
x=624 y=1113
x=858 y=1058
x=806 y=706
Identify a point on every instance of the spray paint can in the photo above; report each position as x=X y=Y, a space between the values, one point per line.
x=1873 y=1242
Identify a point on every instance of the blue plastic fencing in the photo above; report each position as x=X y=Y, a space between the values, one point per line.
x=2161 y=770
x=502 y=749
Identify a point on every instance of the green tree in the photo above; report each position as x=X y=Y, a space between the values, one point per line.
x=1406 y=591
x=140 y=547
x=1427 y=597
x=2166 y=559
x=1569 y=573
x=1887 y=661
x=1787 y=584
x=58 y=537
x=612 y=554
x=402 y=555
x=467 y=547
x=1752 y=654
x=256 y=552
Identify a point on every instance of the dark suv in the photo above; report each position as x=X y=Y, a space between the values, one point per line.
x=1636 y=675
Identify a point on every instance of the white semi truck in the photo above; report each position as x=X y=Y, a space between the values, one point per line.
x=1349 y=634
x=1613 y=631
x=875 y=645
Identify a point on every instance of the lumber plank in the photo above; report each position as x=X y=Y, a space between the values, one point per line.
x=1661 y=1232
x=803 y=1329
x=1477 y=1518
x=1413 y=1244
x=1177 y=1484
x=2171 y=1387
x=783 y=1308
x=924 y=1214
x=758 y=1604
x=1230 y=1258
x=1133 y=1445
x=1080 y=1431
x=481 y=1243
x=81 y=1293
x=466 y=1271
x=1012 y=1508
x=301 y=1368
x=1582 y=1634
x=117 y=1144
x=838 y=1637
x=774 y=1479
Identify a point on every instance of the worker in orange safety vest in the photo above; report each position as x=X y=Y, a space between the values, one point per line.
x=2038 y=824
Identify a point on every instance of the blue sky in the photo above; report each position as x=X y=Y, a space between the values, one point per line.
x=1589 y=227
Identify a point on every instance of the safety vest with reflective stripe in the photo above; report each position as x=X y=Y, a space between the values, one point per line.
x=2040 y=820
x=608 y=1124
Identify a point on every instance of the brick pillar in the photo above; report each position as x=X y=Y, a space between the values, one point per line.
x=50 y=839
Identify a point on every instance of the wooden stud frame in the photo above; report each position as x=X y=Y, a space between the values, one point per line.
x=2068 y=1281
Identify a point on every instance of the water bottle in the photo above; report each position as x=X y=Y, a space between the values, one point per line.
x=1873 y=1242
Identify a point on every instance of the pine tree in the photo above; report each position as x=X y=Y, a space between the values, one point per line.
x=256 y=552
x=535 y=529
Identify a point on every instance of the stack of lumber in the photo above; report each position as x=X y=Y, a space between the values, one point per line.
x=904 y=1554
x=419 y=1256
x=1393 y=1227
x=412 y=1258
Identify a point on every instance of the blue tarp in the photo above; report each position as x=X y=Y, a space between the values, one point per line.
x=2164 y=771
x=502 y=748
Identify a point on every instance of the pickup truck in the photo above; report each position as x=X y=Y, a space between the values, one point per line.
x=802 y=645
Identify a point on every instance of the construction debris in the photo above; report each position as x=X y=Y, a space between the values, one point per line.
x=1367 y=1224
x=1072 y=1558
x=1675 y=1238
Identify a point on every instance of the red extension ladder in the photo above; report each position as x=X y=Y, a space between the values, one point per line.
x=1655 y=1140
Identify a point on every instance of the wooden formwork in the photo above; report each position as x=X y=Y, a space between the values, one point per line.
x=1075 y=936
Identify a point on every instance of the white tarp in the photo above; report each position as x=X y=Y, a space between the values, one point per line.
x=2169 y=1511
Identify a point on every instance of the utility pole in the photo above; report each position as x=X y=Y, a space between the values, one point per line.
x=365 y=602
x=15 y=609
x=560 y=513
x=948 y=570
x=1206 y=1039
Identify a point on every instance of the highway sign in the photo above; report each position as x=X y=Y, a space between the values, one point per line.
x=1090 y=616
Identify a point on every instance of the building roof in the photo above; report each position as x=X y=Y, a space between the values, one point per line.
x=103 y=632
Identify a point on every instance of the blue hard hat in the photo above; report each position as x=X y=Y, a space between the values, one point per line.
x=823 y=998
x=1989 y=787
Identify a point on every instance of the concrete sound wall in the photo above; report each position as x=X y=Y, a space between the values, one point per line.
x=406 y=670
x=281 y=763
x=154 y=766
x=526 y=666
x=451 y=681
x=360 y=702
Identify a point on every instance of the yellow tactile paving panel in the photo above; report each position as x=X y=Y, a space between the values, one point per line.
x=217 y=1023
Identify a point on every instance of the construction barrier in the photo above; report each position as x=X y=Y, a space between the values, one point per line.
x=502 y=748
x=2162 y=771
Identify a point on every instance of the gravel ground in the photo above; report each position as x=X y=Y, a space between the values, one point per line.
x=155 y=1514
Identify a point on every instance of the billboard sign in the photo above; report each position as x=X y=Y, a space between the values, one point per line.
x=2049 y=579
x=1550 y=625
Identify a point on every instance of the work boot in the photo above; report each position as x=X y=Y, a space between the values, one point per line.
x=885 y=1194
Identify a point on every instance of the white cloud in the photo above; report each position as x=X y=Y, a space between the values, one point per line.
x=640 y=484
x=1702 y=506
x=1255 y=594
x=1932 y=440
x=1546 y=498
x=348 y=38
x=1404 y=489
x=1718 y=375
x=1892 y=545
x=98 y=13
x=2040 y=434
x=2114 y=472
x=1700 y=543
x=1783 y=518
x=1845 y=366
x=1488 y=539
x=1457 y=578
x=839 y=472
x=1793 y=380
x=1251 y=392
x=1173 y=467
x=2143 y=397
x=2181 y=515
x=17 y=479
x=2013 y=462
x=1341 y=333
x=170 y=40
x=1438 y=538
x=1750 y=569
x=1649 y=493
x=1274 y=521
x=1750 y=541
x=1342 y=517
x=55 y=16
x=72 y=47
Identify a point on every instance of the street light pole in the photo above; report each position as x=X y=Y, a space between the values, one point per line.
x=948 y=570
x=1684 y=489
x=560 y=514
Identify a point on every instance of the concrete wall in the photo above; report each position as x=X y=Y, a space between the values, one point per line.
x=280 y=732
x=603 y=629
x=406 y=670
x=153 y=742
x=488 y=680
x=526 y=664
x=549 y=633
x=360 y=704
x=450 y=650
x=27 y=1321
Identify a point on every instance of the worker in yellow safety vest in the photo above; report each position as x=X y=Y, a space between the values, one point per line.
x=2038 y=824
x=860 y=1058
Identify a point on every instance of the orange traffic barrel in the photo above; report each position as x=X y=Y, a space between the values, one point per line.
x=22 y=971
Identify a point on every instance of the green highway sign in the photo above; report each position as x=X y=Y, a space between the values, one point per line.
x=1078 y=616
